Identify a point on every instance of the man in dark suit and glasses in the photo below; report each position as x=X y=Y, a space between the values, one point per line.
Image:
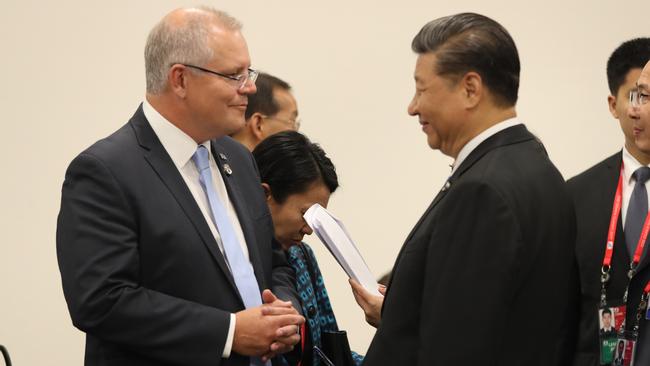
x=593 y=193
x=164 y=238
x=486 y=276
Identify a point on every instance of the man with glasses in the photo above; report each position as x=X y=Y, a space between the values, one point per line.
x=164 y=238
x=594 y=193
x=639 y=112
x=271 y=110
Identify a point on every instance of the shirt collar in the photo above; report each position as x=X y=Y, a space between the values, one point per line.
x=473 y=143
x=630 y=165
x=179 y=145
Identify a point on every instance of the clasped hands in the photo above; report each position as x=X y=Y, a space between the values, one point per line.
x=267 y=330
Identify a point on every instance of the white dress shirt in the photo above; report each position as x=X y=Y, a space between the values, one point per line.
x=630 y=164
x=473 y=143
x=180 y=148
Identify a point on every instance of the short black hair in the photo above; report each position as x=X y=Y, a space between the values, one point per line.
x=472 y=42
x=289 y=163
x=606 y=311
x=633 y=54
x=263 y=101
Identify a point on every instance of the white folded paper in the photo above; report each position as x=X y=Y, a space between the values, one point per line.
x=333 y=234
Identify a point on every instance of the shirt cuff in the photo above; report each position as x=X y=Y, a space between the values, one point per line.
x=231 y=335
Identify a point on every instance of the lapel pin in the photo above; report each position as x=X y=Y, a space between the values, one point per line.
x=223 y=156
x=226 y=169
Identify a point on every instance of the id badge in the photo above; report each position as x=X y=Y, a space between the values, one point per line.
x=611 y=318
x=624 y=350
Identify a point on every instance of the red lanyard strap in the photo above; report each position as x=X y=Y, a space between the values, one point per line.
x=613 y=222
x=611 y=233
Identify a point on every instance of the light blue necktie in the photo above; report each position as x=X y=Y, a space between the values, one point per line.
x=241 y=268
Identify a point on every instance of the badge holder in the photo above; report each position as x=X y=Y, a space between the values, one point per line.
x=618 y=349
x=611 y=317
x=625 y=347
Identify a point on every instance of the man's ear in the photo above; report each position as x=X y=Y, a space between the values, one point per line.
x=255 y=126
x=611 y=102
x=267 y=191
x=177 y=79
x=472 y=88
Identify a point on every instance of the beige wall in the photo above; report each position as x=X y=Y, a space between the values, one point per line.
x=72 y=72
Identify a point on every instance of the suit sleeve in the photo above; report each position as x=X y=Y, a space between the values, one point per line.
x=283 y=277
x=97 y=250
x=469 y=284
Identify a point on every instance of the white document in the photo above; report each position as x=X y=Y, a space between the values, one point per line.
x=336 y=238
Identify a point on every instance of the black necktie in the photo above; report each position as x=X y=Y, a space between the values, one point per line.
x=637 y=210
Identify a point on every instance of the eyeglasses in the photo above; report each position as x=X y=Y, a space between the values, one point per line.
x=638 y=97
x=241 y=79
x=293 y=123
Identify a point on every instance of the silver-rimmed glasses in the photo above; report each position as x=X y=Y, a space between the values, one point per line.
x=240 y=79
x=293 y=123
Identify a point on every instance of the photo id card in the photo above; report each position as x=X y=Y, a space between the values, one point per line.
x=610 y=321
x=624 y=352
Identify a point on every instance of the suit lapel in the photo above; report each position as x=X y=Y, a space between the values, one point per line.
x=162 y=164
x=505 y=137
x=237 y=199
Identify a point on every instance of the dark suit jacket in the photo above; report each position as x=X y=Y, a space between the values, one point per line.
x=142 y=274
x=593 y=194
x=485 y=277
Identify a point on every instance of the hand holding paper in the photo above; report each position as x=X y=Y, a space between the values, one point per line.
x=337 y=240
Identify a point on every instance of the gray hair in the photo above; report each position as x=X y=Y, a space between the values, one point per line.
x=473 y=42
x=184 y=43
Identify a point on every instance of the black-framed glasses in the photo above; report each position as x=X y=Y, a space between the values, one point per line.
x=241 y=79
x=293 y=123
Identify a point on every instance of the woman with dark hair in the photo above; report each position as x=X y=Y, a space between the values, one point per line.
x=296 y=174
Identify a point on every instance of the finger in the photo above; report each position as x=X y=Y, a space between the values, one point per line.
x=287 y=331
x=280 y=321
x=281 y=303
x=267 y=356
x=285 y=344
x=268 y=296
x=382 y=290
x=362 y=296
x=275 y=310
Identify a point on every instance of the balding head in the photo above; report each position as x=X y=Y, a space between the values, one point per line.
x=182 y=37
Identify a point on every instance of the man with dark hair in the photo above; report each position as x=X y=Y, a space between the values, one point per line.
x=486 y=276
x=594 y=192
x=606 y=319
x=271 y=110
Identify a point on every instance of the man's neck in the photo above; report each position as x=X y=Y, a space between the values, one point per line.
x=174 y=114
x=487 y=120
x=639 y=155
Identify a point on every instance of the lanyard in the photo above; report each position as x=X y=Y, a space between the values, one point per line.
x=611 y=236
x=641 y=308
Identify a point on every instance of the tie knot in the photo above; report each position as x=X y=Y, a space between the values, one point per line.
x=642 y=174
x=201 y=158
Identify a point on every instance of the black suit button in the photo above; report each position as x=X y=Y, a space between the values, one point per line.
x=311 y=311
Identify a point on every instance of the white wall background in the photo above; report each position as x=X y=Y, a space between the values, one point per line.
x=72 y=72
